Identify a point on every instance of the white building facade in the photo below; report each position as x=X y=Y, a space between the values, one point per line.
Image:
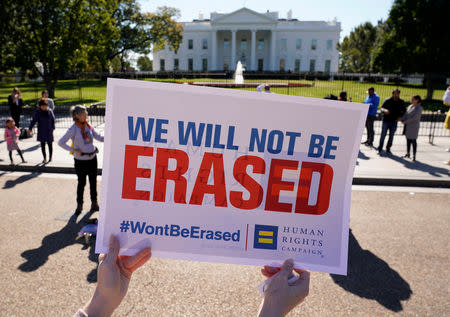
x=261 y=41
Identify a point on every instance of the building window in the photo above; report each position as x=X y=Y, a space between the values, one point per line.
x=329 y=45
x=204 y=64
x=162 y=65
x=205 y=44
x=283 y=45
x=190 y=44
x=260 y=64
x=243 y=45
x=226 y=44
x=190 y=64
x=176 y=64
x=260 y=45
x=327 y=66
x=297 y=65
x=225 y=67
x=298 y=44
x=313 y=44
x=282 y=65
x=312 y=65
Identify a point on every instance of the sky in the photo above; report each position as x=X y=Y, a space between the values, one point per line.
x=350 y=13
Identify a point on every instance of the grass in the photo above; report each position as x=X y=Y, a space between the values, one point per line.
x=69 y=92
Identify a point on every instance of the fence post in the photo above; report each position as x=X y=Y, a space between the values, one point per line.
x=80 y=95
x=432 y=128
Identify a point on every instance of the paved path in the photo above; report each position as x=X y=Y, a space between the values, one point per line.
x=371 y=169
x=398 y=260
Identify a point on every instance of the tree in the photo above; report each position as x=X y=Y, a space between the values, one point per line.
x=356 y=49
x=52 y=32
x=6 y=40
x=144 y=63
x=75 y=35
x=415 y=40
x=127 y=29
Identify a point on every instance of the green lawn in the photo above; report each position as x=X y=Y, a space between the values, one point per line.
x=67 y=92
x=70 y=92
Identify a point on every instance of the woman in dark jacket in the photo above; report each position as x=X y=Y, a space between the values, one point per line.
x=15 y=104
x=411 y=120
x=46 y=124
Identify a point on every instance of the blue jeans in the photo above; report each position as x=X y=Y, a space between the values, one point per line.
x=392 y=127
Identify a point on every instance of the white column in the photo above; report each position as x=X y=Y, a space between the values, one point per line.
x=272 y=50
x=233 y=50
x=213 y=51
x=253 y=53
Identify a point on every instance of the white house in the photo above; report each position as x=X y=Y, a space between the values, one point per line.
x=261 y=41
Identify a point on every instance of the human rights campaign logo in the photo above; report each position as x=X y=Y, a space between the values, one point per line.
x=265 y=237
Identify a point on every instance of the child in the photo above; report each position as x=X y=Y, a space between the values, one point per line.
x=85 y=154
x=46 y=124
x=12 y=140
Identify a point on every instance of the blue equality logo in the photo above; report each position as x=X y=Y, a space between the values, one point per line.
x=265 y=237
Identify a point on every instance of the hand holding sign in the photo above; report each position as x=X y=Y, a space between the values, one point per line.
x=114 y=275
x=281 y=296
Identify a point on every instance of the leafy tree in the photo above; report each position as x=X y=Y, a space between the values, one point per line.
x=52 y=32
x=144 y=63
x=415 y=39
x=6 y=38
x=127 y=29
x=356 y=49
x=76 y=35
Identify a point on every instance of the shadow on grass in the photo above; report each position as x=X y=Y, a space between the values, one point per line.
x=370 y=277
x=56 y=241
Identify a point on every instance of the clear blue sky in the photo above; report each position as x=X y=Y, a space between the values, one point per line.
x=350 y=13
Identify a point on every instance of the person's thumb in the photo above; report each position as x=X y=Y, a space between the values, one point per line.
x=286 y=268
x=114 y=248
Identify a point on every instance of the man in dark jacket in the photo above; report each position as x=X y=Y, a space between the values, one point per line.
x=393 y=109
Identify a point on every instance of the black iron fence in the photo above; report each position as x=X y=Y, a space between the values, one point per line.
x=63 y=119
x=90 y=89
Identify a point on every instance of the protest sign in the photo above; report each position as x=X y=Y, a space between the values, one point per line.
x=221 y=175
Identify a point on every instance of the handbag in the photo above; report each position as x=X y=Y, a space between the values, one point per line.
x=24 y=134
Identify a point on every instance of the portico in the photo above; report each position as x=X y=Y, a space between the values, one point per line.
x=261 y=41
x=230 y=46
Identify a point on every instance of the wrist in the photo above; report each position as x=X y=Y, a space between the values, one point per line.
x=98 y=306
x=270 y=309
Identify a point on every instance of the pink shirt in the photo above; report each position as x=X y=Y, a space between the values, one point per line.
x=11 y=135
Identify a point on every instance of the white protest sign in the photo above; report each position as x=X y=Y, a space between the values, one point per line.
x=221 y=175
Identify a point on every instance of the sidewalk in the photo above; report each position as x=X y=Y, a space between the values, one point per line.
x=62 y=161
x=428 y=171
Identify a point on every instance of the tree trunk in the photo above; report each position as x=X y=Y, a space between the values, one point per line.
x=50 y=83
x=105 y=72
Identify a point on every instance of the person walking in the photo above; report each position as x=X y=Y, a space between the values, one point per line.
x=85 y=154
x=373 y=100
x=46 y=124
x=12 y=139
x=15 y=104
x=411 y=121
x=393 y=110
